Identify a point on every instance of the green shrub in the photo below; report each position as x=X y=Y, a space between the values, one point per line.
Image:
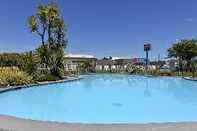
x=166 y=73
x=46 y=77
x=12 y=76
x=159 y=73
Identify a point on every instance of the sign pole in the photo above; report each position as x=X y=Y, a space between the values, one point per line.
x=146 y=60
x=147 y=47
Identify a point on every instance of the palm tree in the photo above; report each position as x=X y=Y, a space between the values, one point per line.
x=184 y=50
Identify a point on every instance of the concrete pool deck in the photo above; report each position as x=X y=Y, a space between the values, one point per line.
x=8 y=123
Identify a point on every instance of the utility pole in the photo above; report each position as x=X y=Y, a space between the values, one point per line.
x=147 y=48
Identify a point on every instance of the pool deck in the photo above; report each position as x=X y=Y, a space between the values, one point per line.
x=8 y=123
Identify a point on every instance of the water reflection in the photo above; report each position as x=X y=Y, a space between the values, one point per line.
x=147 y=92
x=182 y=90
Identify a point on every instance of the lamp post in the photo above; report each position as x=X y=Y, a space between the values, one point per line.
x=147 y=48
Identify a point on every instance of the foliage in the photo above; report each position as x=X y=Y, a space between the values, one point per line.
x=84 y=67
x=48 y=24
x=161 y=73
x=156 y=72
x=184 y=50
x=46 y=77
x=24 y=61
x=46 y=62
x=10 y=59
x=52 y=59
x=11 y=76
x=29 y=62
x=20 y=60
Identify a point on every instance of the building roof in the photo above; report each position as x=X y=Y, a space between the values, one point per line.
x=105 y=62
x=118 y=58
x=169 y=59
x=79 y=56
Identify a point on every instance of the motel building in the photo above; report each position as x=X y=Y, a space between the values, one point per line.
x=118 y=63
x=73 y=61
x=170 y=64
x=113 y=64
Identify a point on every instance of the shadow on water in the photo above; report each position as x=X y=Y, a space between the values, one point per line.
x=117 y=104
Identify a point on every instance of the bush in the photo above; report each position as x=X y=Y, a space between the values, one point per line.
x=160 y=73
x=12 y=76
x=44 y=74
x=10 y=59
x=47 y=77
x=166 y=73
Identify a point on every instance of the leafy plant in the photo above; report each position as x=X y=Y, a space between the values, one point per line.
x=184 y=50
x=11 y=76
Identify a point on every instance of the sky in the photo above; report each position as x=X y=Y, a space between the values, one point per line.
x=104 y=27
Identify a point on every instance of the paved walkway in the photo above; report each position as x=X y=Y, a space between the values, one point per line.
x=14 y=124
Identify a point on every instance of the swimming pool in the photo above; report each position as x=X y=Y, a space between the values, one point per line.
x=106 y=99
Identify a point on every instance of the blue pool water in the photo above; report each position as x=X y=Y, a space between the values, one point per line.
x=106 y=99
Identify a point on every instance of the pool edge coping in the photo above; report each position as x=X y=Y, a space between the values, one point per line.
x=190 y=78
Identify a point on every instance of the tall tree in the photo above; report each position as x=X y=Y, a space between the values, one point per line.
x=184 y=50
x=48 y=23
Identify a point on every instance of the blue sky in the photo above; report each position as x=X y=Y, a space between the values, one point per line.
x=104 y=27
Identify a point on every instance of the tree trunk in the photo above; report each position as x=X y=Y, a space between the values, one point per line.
x=181 y=67
x=43 y=34
x=42 y=37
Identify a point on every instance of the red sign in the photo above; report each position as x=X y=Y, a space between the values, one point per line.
x=147 y=47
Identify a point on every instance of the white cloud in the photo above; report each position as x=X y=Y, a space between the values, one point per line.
x=189 y=20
